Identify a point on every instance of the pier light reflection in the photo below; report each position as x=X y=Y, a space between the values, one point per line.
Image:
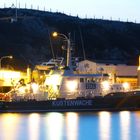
x=72 y=125
x=34 y=123
x=125 y=125
x=10 y=123
x=137 y=122
x=54 y=125
x=105 y=125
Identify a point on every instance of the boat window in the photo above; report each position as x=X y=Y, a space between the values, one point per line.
x=50 y=64
x=81 y=80
x=93 y=80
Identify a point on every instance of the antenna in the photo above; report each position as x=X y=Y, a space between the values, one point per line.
x=51 y=44
x=19 y=5
x=14 y=19
x=83 y=48
x=16 y=10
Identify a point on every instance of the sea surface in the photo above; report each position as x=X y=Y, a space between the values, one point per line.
x=123 y=125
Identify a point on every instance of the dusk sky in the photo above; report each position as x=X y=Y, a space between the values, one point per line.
x=107 y=9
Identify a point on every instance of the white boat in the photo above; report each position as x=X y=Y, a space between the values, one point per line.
x=69 y=84
x=52 y=63
x=66 y=90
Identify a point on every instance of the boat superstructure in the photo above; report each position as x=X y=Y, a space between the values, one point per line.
x=51 y=64
x=65 y=83
x=69 y=84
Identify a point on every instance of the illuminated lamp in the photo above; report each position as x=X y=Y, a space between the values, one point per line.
x=105 y=85
x=126 y=86
x=72 y=85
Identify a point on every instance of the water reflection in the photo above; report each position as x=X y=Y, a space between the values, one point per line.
x=72 y=125
x=137 y=122
x=54 y=126
x=9 y=125
x=122 y=125
x=34 y=123
x=125 y=125
x=104 y=125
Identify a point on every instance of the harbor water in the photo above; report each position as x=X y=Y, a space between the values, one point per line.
x=123 y=125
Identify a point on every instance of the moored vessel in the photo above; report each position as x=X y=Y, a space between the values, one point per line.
x=66 y=90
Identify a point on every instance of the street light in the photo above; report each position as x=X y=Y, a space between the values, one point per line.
x=55 y=34
x=5 y=57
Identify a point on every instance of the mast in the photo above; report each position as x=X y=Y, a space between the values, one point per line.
x=68 y=51
x=138 y=74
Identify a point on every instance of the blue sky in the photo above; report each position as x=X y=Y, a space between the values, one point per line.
x=107 y=9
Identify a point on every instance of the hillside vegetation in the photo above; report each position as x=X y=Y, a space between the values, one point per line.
x=29 y=39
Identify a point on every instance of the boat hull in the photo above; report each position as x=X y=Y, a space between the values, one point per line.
x=81 y=104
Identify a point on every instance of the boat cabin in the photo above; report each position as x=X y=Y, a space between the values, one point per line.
x=68 y=85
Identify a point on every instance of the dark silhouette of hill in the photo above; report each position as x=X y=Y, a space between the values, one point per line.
x=29 y=39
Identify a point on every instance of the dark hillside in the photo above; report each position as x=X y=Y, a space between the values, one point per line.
x=29 y=39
